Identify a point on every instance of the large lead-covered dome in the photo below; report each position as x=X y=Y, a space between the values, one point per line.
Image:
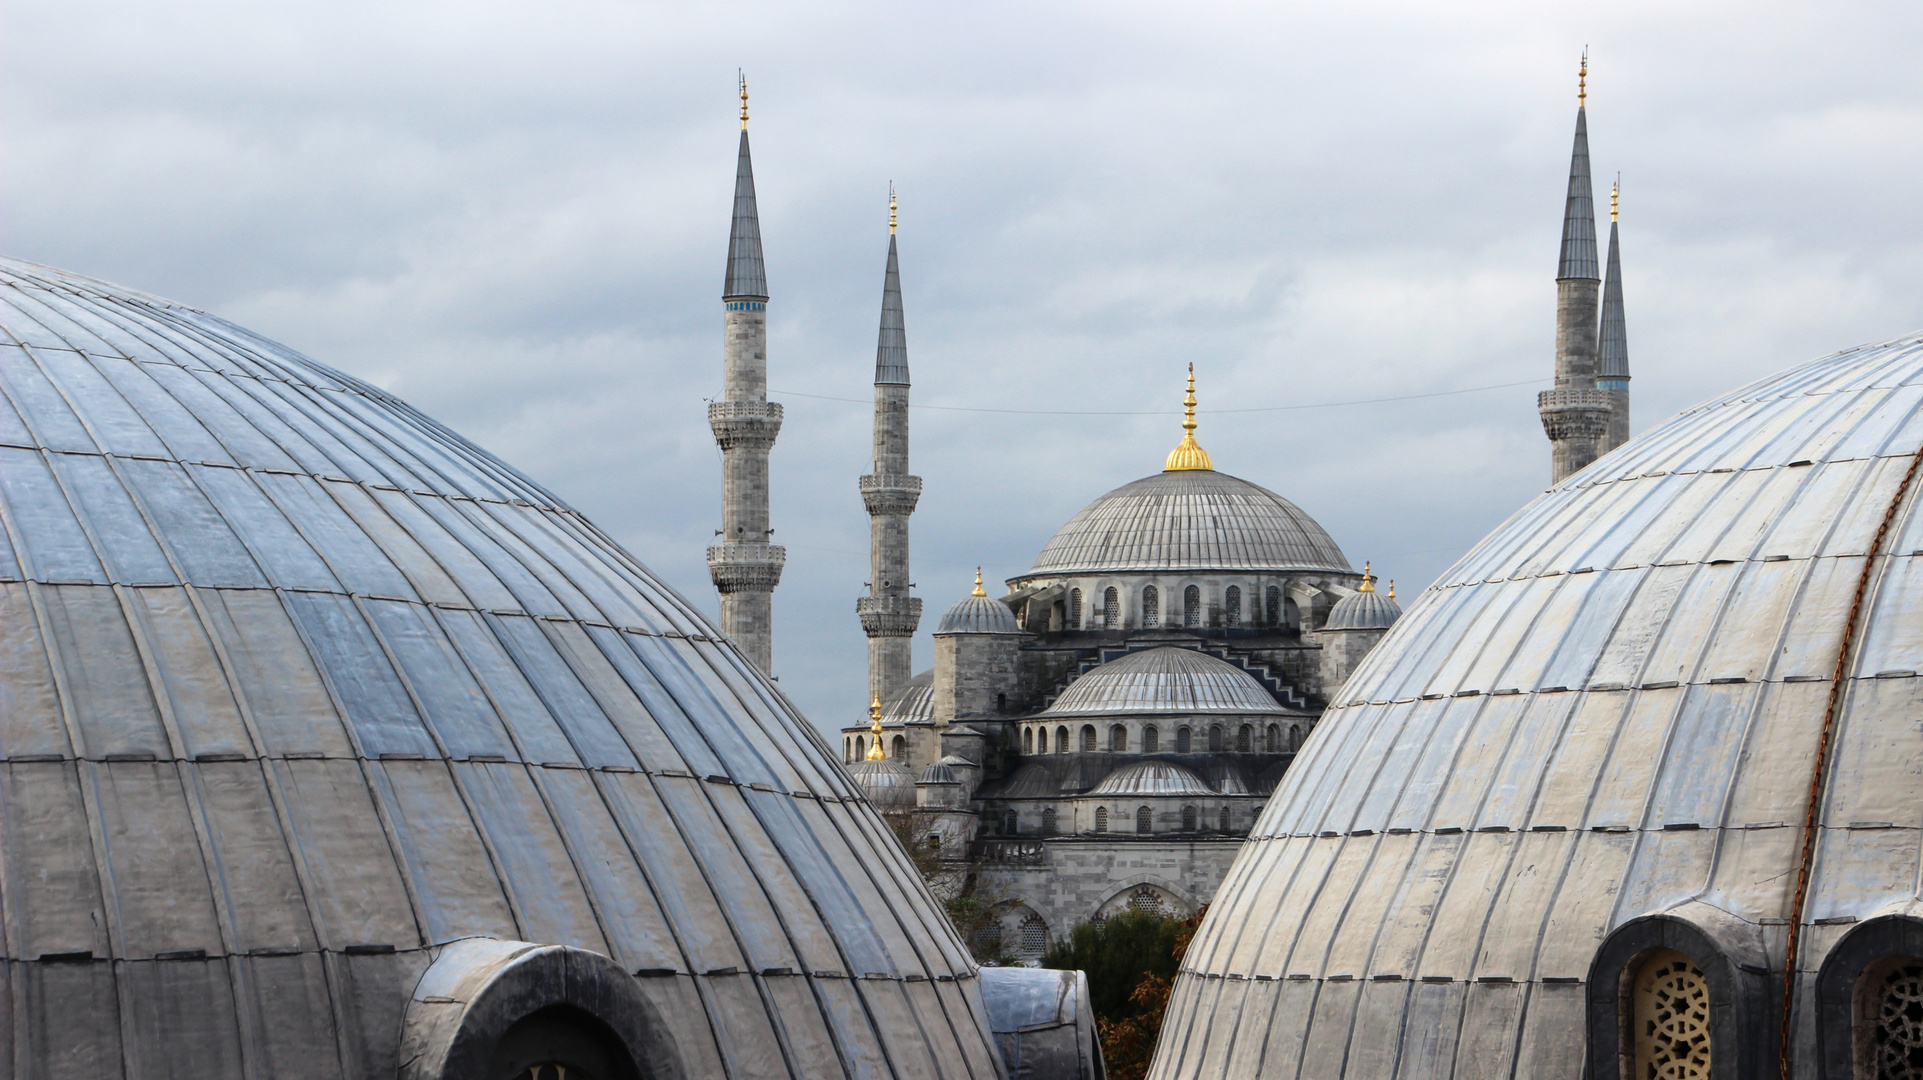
x=298 y=687
x=1190 y=520
x=1572 y=783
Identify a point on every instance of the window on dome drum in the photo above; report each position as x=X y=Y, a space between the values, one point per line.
x=1048 y=821
x=1061 y=740
x=1889 y=1021
x=1223 y=820
x=1232 y=607
x=1215 y=738
x=1669 y=1018
x=1275 y=606
x=1088 y=738
x=1295 y=737
x=1191 y=606
x=1034 y=937
x=1151 y=606
x=1101 y=819
x=1117 y=739
x=1291 y=615
x=1188 y=819
x=1245 y=739
x=1151 y=740
x=1148 y=900
x=900 y=748
x=1275 y=738
x=1112 y=608
x=1012 y=823
x=1028 y=740
x=861 y=749
x=1182 y=739
x=1074 y=609
x=1144 y=821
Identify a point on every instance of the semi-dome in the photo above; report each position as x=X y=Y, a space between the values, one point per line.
x=1664 y=714
x=1366 y=609
x=937 y=772
x=887 y=783
x=914 y=703
x=325 y=730
x=1150 y=778
x=1166 y=679
x=1190 y=519
x=978 y=613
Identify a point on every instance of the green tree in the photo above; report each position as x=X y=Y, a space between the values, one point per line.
x=1118 y=953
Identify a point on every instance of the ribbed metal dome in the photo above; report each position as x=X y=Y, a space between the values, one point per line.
x=888 y=783
x=1164 y=680
x=1192 y=519
x=937 y=773
x=1151 y=778
x=978 y=615
x=913 y=703
x=1605 y=722
x=298 y=686
x=1363 y=611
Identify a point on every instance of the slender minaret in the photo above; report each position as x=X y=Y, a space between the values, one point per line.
x=1612 y=364
x=1575 y=414
x=888 y=614
x=744 y=565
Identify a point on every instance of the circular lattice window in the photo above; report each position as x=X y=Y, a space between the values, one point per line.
x=1670 y=1021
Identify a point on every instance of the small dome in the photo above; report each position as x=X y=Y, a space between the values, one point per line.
x=1165 y=680
x=937 y=773
x=956 y=761
x=887 y=783
x=1364 y=610
x=978 y=613
x=1151 y=778
x=913 y=703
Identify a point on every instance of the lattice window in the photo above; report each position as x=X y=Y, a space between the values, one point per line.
x=1275 y=738
x=1151 y=740
x=1148 y=900
x=1188 y=819
x=1088 y=738
x=1245 y=739
x=1670 y=1019
x=1144 y=821
x=1034 y=937
x=1232 y=606
x=1182 y=740
x=1151 y=606
x=1112 y=608
x=1011 y=823
x=1075 y=609
x=1224 y=820
x=901 y=748
x=1191 y=606
x=1215 y=738
x=1048 y=821
x=1275 y=606
x=988 y=940
x=1117 y=739
x=1295 y=737
x=1101 y=819
x=1061 y=740
x=1893 y=1049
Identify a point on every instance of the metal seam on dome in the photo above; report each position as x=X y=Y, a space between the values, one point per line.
x=1845 y=655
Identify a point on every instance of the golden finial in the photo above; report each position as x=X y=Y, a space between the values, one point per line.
x=1582 y=79
x=1392 y=588
x=744 y=99
x=891 y=208
x=979 y=591
x=1368 y=583
x=1188 y=454
x=875 y=752
x=1615 y=190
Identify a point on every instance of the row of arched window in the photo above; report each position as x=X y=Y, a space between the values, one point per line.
x=856 y=749
x=1193 y=820
x=1216 y=738
x=1266 y=608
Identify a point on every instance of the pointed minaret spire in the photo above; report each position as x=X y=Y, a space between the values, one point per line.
x=1575 y=415
x=744 y=565
x=888 y=614
x=1612 y=351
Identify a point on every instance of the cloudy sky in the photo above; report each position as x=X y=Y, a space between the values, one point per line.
x=515 y=214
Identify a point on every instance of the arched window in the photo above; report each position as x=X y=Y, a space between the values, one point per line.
x=861 y=748
x=1889 y=1020
x=1291 y=614
x=1223 y=820
x=1232 y=606
x=1669 y=1017
x=1048 y=821
x=1146 y=899
x=1182 y=739
x=1011 y=823
x=1685 y=997
x=560 y=1042
x=1034 y=939
x=1215 y=738
x=1144 y=820
x=1869 y=1001
x=1112 y=608
x=1295 y=737
x=1151 y=606
x=1117 y=739
x=1275 y=738
x=1061 y=740
x=1188 y=819
x=847 y=750
x=1101 y=819
x=1192 y=606
x=1151 y=740
x=1275 y=606
x=1074 y=609
x=1245 y=739
x=1028 y=740
x=900 y=748
x=1088 y=738
x=1001 y=703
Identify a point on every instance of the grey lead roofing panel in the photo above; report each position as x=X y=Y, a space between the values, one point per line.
x=1167 y=679
x=1194 y=519
x=315 y=676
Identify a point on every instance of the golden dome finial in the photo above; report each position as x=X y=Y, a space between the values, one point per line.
x=1368 y=583
x=1189 y=453
x=875 y=752
x=979 y=591
x=1582 y=79
x=891 y=208
x=1392 y=588
x=744 y=98
x=1615 y=190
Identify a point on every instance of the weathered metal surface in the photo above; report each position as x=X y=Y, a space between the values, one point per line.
x=1043 y=1023
x=1165 y=680
x=297 y=686
x=1609 y=708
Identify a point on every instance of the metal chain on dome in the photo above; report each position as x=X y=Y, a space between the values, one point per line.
x=1845 y=656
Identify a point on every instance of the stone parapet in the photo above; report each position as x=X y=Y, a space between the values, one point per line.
x=746 y=424
x=890 y=494
x=889 y=616
x=746 y=566
x=1574 y=413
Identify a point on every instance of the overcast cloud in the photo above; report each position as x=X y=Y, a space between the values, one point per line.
x=514 y=215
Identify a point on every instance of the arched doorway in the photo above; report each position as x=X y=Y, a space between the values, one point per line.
x=560 y=1043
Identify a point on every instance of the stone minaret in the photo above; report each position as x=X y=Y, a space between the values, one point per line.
x=744 y=565
x=1575 y=414
x=888 y=614
x=1612 y=364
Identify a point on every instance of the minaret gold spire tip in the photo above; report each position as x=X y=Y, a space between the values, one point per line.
x=1188 y=454
x=875 y=752
x=891 y=208
x=1615 y=190
x=1392 y=588
x=979 y=591
x=744 y=99
x=1582 y=79
x=1368 y=583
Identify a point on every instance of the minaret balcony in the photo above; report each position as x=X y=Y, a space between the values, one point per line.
x=889 y=616
x=746 y=566
x=1574 y=413
x=891 y=494
x=748 y=424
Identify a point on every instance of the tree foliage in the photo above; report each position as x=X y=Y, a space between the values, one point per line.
x=1131 y=960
